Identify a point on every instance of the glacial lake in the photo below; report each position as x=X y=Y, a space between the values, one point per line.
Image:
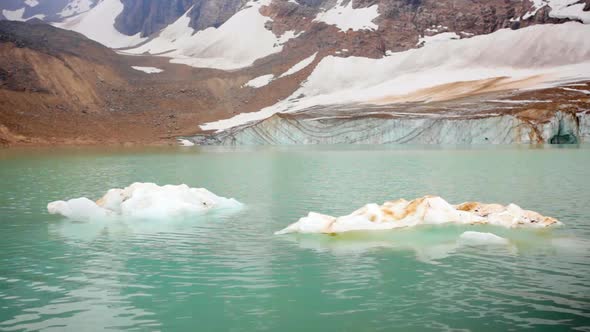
x=228 y=272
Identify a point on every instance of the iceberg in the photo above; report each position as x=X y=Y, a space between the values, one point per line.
x=143 y=201
x=427 y=210
x=479 y=238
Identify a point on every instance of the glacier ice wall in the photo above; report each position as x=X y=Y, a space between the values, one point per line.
x=290 y=129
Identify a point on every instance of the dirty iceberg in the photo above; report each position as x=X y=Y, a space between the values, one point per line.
x=428 y=210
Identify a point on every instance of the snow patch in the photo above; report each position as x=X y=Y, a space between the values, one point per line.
x=75 y=7
x=346 y=17
x=441 y=37
x=300 y=65
x=14 y=15
x=260 y=81
x=237 y=43
x=143 y=201
x=428 y=210
x=436 y=28
x=17 y=15
x=148 y=70
x=98 y=24
x=31 y=3
x=522 y=101
x=549 y=53
x=586 y=92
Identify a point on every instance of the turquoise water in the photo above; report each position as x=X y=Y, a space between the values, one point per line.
x=230 y=273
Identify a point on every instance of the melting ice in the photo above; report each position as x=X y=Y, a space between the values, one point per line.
x=143 y=201
x=421 y=211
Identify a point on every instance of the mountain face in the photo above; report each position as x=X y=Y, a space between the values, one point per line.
x=47 y=10
x=150 y=16
x=247 y=68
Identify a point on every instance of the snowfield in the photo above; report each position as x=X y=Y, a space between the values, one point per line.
x=235 y=44
x=98 y=24
x=531 y=57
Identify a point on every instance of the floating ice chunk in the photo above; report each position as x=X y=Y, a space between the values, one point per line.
x=143 y=201
x=78 y=209
x=479 y=238
x=185 y=142
x=428 y=210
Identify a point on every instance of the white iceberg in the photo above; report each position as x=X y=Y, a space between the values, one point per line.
x=428 y=210
x=472 y=238
x=143 y=201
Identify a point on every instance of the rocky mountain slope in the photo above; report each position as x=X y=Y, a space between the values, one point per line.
x=58 y=87
x=186 y=66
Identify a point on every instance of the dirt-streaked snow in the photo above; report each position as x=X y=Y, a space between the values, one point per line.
x=99 y=24
x=536 y=56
